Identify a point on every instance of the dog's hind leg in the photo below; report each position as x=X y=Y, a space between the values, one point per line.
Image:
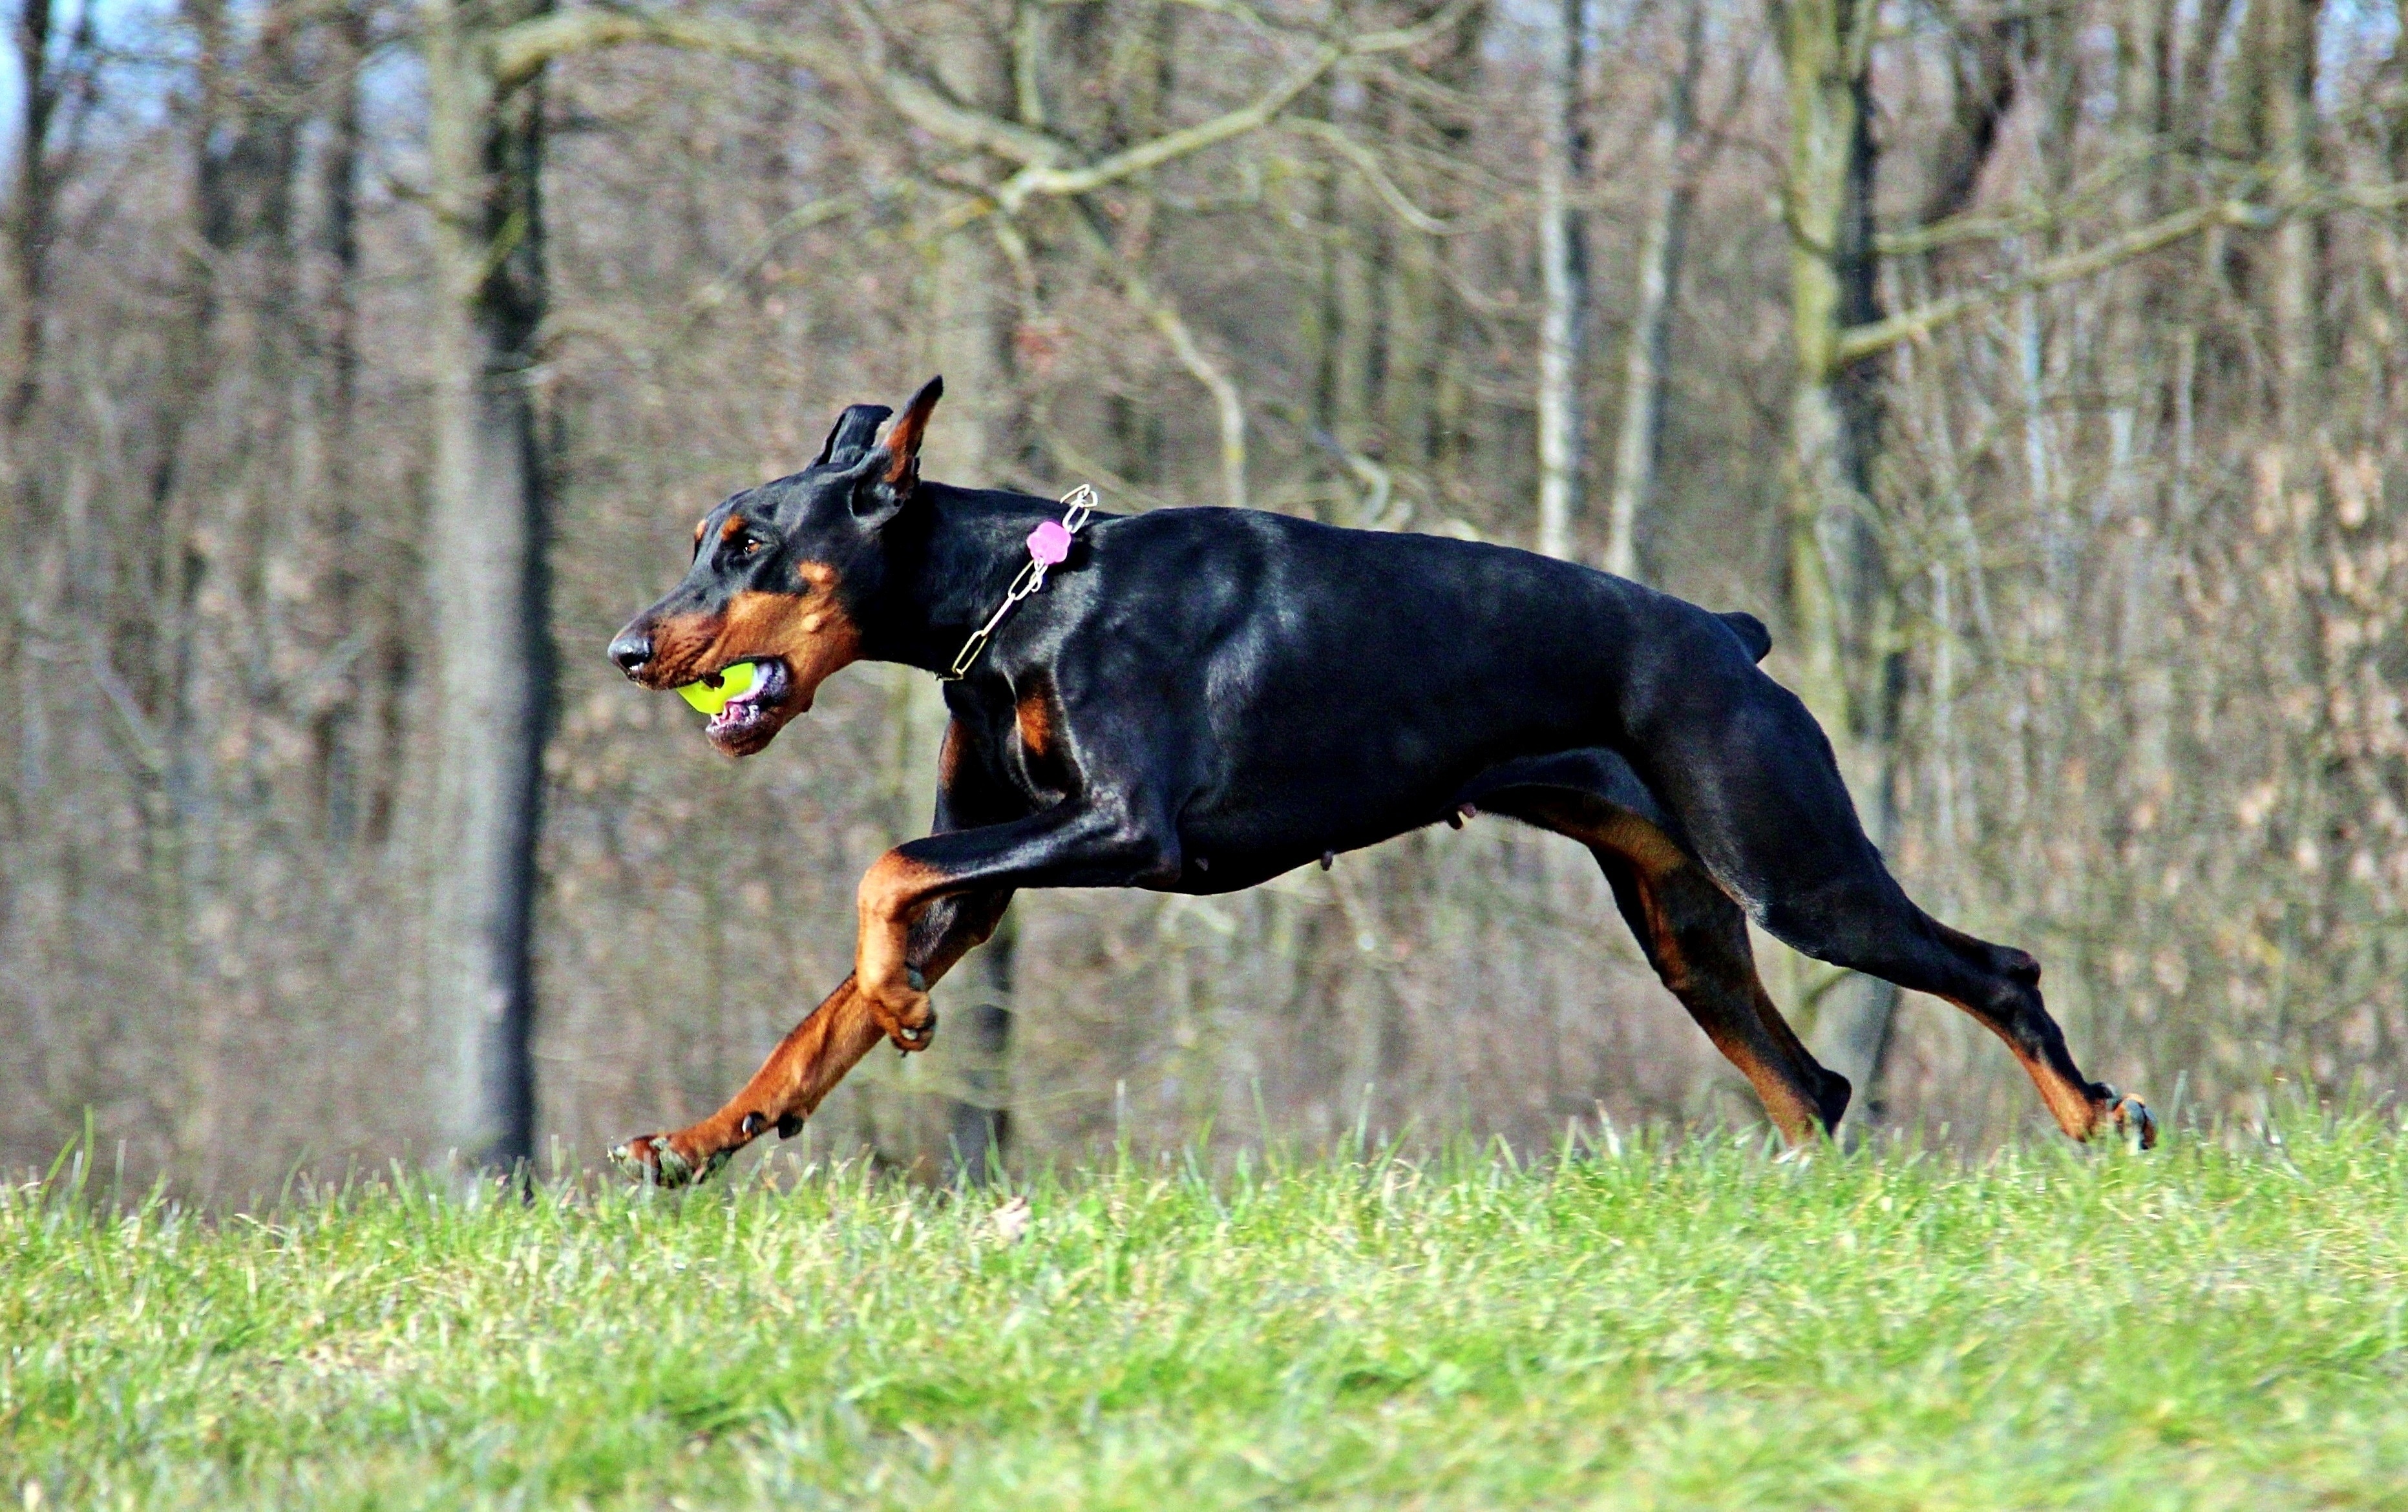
x=1696 y=940
x=1865 y=923
x=1749 y=781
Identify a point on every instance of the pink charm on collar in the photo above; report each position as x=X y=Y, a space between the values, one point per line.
x=1049 y=544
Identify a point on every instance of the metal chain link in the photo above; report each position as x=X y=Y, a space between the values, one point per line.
x=1077 y=506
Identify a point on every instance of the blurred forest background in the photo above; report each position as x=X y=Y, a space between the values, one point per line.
x=2035 y=370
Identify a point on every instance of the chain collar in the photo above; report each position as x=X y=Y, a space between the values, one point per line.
x=1048 y=545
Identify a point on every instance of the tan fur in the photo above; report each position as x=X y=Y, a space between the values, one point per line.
x=809 y=630
x=1721 y=990
x=790 y=1084
x=902 y=443
x=894 y=889
x=949 y=756
x=1034 y=714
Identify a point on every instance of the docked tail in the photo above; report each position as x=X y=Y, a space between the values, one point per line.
x=1750 y=631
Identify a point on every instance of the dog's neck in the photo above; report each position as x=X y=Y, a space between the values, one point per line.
x=950 y=559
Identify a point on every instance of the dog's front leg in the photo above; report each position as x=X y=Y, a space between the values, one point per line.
x=813 y=1058
x=1073 y=844
x=830 y=1041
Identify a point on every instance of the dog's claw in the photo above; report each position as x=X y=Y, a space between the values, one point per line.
x=2127 y=1116
x=911 y=1030
x=2132 y=1120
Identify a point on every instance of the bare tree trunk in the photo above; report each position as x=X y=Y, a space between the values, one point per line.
x=2291 y=125
x=1640 y=446
x=487 y=584
x=1841 y=594
x=1983 y=72
x=1563 y=259
x=1843 y=599
x=33 y=198
x=29 y=225
x=971 y=340
x=335 y=766
x=973 y=345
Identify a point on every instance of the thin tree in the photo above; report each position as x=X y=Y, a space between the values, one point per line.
x=486 y=579
x=1563 y=272
x=1638 y=446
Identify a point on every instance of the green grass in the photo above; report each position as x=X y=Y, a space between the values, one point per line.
x=2218 y=1324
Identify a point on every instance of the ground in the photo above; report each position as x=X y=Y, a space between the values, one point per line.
x=2218 y=1324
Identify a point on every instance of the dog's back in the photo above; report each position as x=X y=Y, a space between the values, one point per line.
x=1423 y=661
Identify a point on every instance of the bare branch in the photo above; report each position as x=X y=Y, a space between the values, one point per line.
x=1048 y=165
x=1868 y=341
x=519 y=52
x=1366 y=163
x=1164 y=318
x=2026 y=220
x=1044 y=179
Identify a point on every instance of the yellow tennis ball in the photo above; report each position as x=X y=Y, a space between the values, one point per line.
x=714 y=692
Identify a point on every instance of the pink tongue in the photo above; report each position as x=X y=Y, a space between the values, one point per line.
x=741 y=704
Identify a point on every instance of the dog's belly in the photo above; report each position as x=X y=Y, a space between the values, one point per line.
x=1262 y=818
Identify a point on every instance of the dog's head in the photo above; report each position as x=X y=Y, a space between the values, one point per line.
x=778 y=574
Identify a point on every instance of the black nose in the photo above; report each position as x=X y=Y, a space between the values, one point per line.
x=631 y=650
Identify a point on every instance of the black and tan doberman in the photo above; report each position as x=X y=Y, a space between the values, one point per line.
x=1198 y=700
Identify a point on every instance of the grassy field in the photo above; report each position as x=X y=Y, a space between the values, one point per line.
x=2218 y=1324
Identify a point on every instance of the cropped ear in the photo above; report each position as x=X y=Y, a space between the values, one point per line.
x=894 y=466
x=852 y=436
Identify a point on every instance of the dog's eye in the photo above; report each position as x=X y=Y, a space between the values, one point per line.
x=752 y=544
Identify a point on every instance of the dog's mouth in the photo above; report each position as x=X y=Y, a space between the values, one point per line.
x=759 y=690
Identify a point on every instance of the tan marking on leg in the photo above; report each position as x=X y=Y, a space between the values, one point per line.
x=894 y=890
x=2069 y=1103
x=1728 y=1002
x=891 y=891
x=804 y=1068
x=1721 y=990
x=800 y=1073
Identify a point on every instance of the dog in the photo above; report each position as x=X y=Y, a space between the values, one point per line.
x=1198 y=700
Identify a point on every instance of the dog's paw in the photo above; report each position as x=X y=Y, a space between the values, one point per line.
x=657 y=1161
x=907 y=1016
x=2131 y=1118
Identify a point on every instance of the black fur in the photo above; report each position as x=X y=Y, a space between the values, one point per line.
x=1222 y=695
